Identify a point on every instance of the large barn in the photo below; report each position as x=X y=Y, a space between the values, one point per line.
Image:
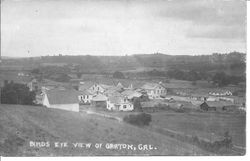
x=63 y=99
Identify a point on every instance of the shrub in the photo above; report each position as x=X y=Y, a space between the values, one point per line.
x=141 y=119
x=137 y=105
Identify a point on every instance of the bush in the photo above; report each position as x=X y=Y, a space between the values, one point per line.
x=137 y=105
x=141 y=119
x=216 y=146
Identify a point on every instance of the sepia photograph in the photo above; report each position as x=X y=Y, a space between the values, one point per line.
x=123 y=78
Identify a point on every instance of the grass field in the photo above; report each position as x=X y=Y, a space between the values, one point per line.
x=21 y=124
x=210 y=126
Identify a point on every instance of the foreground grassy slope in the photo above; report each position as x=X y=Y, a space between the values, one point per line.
x=205 y=125
x=21 y=124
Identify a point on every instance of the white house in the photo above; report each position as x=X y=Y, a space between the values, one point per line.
x=119 y=103
x=220 y=92
x=61 y=99
x=154 y=90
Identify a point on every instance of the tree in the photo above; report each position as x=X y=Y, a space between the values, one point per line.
x=118 y=75
x=221 y=79
x=13 y=93
x=192 y=76
x=79 y=75
x=137 y=105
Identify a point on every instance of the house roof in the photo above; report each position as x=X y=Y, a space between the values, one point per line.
x=85 y=92
x=219 y=103
x=112 y=91
x=57 y=96
x=150 y=86
x=119 y=84
x=131 y=93
x=117 y=99
x=85 y=85
x=104 y=86
x=99 y=97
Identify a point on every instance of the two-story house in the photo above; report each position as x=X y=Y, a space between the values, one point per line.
x=154 y=90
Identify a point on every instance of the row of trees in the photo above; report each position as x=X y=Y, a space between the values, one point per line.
x=218 y=78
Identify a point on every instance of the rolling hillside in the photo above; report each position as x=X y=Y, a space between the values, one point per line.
x=21 y=124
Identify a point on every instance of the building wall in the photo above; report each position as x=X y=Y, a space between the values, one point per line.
x=111 y=106
x=68 y=107
x=129 y=107
x=96 y=88
x=121 y=107
x=85 y=98
x=157 y=92
x=45 y=101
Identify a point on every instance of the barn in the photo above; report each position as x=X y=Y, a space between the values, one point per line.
x=213 y=106
x=63 y=99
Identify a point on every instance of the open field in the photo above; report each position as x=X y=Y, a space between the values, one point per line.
x=22 y=124
x=210 y=126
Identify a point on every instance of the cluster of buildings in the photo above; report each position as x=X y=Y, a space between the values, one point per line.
x=110 y=97
x=120 y=97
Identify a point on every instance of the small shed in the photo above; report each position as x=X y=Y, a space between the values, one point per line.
x=206 y=107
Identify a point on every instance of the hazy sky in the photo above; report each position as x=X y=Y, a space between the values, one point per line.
x=120 y=27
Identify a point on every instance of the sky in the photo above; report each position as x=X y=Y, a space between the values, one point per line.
x=122 y=27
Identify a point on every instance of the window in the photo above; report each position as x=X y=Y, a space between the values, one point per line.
x=124 y=106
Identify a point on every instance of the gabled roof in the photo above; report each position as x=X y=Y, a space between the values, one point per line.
x=131 y=93
x=85 y=85
x=85 y=92
x=120 y=85
x=99 y=97
x=150 y=85
x=57 y=96
x=112 y=91
x=104 y=86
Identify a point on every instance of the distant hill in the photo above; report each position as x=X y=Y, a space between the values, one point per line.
x=21 y=124
x=232 y=63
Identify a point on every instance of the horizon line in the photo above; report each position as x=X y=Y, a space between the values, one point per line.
x=156 y=53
